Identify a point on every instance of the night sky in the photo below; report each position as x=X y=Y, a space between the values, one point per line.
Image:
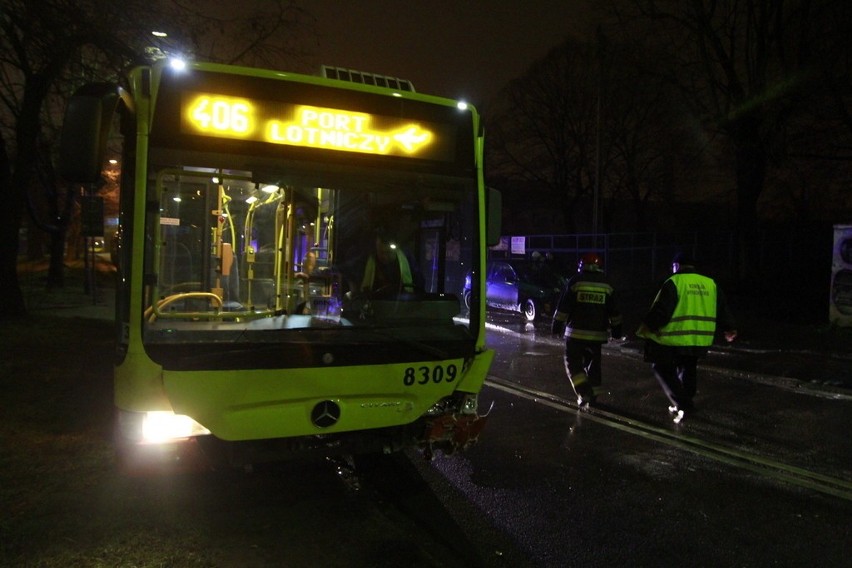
x=462 y=49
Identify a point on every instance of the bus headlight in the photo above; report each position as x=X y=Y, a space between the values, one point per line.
x=164 y=426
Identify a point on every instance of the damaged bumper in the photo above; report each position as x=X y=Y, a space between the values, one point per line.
x=452 y=432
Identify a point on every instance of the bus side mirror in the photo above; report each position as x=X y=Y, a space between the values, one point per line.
x=85 y=129
x=494 y=222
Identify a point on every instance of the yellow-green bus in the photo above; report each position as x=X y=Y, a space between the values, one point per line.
x=293 y=256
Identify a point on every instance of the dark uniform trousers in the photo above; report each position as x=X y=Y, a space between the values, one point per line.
x=583 y=366
x=676 y=370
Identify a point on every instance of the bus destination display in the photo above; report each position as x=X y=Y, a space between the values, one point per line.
x=221 y=116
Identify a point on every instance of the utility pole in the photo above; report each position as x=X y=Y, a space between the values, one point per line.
x=601 y=48
x=597 y=188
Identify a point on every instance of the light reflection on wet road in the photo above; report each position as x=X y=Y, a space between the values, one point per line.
x=572 y=490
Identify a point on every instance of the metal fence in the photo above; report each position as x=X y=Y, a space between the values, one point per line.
x=637 y=260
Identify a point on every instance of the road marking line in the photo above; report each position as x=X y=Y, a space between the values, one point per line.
x=758 y=464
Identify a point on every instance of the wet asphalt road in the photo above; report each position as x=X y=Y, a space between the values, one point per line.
x=739 y=484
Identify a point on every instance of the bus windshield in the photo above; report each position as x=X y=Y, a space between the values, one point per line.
x=239 y=255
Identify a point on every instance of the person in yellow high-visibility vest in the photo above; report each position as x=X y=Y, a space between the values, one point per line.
x=680 y=327
x=387 y=271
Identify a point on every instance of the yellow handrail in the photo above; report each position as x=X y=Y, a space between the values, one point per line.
x=153 y=311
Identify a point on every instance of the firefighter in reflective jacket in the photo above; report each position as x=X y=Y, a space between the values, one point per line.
x=585 y=316
x=680 y=327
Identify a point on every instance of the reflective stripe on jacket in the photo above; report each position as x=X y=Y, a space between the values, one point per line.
x=693 y=323
x=587 y=307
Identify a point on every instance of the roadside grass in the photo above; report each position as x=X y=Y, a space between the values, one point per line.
x=63 y=502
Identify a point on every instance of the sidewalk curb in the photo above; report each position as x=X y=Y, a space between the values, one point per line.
x=792 y=384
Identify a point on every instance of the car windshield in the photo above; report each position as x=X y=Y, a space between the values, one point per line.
x=247 y=253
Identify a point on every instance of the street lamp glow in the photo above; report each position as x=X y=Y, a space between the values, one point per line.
x=177 y=64
x=159 y=34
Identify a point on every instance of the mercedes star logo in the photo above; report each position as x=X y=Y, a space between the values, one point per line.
x=325 y=414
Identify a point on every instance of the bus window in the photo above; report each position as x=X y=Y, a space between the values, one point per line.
x=232 y=249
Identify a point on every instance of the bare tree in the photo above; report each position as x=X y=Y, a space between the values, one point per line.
x=648 y=132
x=50 y=47
x=541 y=129
x=36 y=48
x=255 y=33
x=745 y=66
x=586 y=121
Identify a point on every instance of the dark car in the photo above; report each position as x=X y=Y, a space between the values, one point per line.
x=529 y=288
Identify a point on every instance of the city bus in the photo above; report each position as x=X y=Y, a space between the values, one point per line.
x=252 y=206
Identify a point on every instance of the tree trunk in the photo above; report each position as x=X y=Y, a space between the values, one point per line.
x=58 y=238
x=56 y=268
x=751 y=162
x=11 y=298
